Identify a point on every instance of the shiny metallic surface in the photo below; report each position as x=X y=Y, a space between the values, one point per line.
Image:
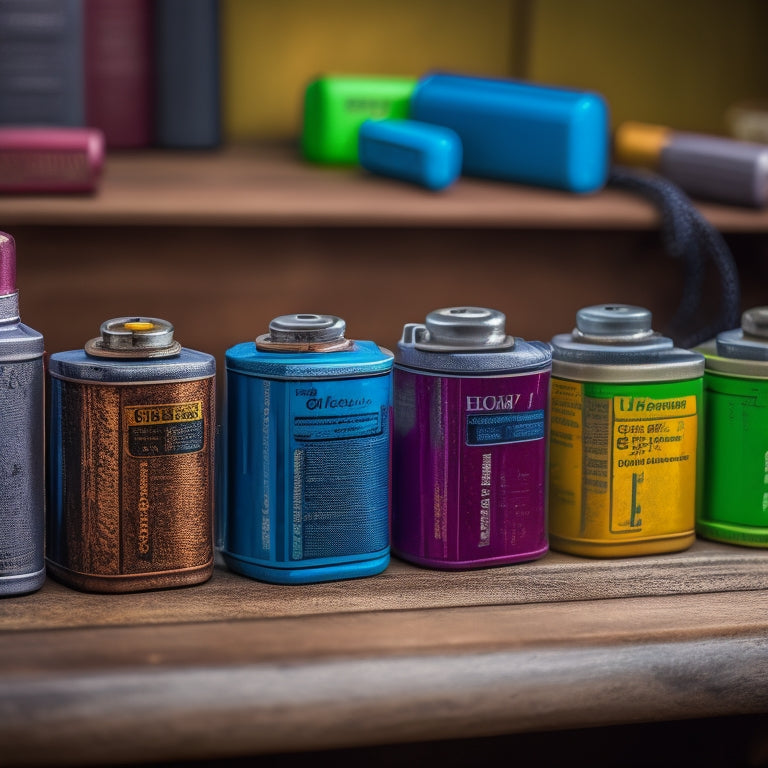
x=131 y=470
x=136 y=332
x=307 y=327
x=22 y=474
x=305 y=333
x=616 y=343
x=613 y=324
x=468 y=341
x=741 y=351
x=755 y=322
x=457 y=329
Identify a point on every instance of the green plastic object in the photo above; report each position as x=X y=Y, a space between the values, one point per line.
x=336 y=106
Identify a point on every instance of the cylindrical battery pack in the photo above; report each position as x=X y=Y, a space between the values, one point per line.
x=130 y=471
x=625 y=439
x=308 y=454
x=470 y=445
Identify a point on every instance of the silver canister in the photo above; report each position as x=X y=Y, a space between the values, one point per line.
x=22 y=473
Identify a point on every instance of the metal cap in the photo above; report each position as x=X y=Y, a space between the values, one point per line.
x=305 y=333
x=134 y=337
x=750 y=341
x=606 y=323
x=754 y=322
x=453 y=329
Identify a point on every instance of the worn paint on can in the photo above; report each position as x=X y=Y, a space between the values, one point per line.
x=625 y=437
x=132 y=423
x=470 y=445
x=734 y=506
x=307 y=471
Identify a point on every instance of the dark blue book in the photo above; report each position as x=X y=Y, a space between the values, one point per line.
x=187 y=87
x=41 y=62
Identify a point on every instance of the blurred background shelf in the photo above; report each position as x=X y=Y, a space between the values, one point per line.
x=268 y=185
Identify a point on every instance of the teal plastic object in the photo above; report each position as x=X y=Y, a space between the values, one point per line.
x=519 y=131
x=420 y=153
x=335 y=106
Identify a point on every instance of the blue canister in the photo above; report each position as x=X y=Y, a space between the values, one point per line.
x=307 y=466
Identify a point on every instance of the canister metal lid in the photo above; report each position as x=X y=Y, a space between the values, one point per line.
x=468 y=341
x=459 y=329
x=305 y=333
x=750 y=341
x=617 y=343
x=742 y=351
x=134 y=337
x=614 y=324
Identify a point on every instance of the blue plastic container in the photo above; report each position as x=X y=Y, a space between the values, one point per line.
x=420 y=153
x=521 y=132
x=307 y=465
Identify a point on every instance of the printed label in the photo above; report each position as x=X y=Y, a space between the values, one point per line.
x=493 y=429
x=330 y=427
x=621 y=464
x=334 y=412
x=338 y=432
x=162 y=430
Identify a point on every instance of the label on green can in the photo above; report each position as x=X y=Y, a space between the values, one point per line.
x=623 y=466
x=734 y=505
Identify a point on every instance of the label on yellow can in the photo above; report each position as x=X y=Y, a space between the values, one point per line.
x=623 y=464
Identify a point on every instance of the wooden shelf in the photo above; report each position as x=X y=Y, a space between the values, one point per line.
x=236 y=667
x=269 y=185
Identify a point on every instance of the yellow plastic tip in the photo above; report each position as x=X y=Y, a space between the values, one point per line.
x=138 y=325
x=639 y=143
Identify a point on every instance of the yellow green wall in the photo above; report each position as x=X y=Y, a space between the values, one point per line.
x=676 y=62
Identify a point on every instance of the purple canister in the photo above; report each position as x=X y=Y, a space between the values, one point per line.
x=470 y=444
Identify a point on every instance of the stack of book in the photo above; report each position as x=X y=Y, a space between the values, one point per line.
x=146 y=73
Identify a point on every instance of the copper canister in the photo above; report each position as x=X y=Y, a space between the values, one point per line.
x=130 y=463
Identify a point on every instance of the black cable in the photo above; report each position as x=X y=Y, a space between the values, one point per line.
x=687 y=235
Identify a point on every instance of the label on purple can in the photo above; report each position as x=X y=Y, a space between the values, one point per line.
x=471 y=468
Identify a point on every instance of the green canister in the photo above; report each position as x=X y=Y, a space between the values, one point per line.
x=624 y=437
x=734 y=505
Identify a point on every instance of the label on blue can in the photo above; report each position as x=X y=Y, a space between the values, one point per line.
x=309 y=477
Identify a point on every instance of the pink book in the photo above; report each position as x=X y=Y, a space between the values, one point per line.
x=48 y=160
x=119 y=71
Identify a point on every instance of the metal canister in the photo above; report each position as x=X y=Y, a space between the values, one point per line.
x=470 y=445
x=734 y=506
x=307 y=493
x=22 y=474
x=131 y=460
x=625 y=438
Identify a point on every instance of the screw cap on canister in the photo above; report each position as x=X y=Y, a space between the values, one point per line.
x=754 y=322
x=459 y=328
x=620 y=321
x=134 y=337
x=305 y=332
x=750 y=340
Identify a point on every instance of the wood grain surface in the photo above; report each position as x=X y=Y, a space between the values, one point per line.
x=235 y=667
x=707 y=567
